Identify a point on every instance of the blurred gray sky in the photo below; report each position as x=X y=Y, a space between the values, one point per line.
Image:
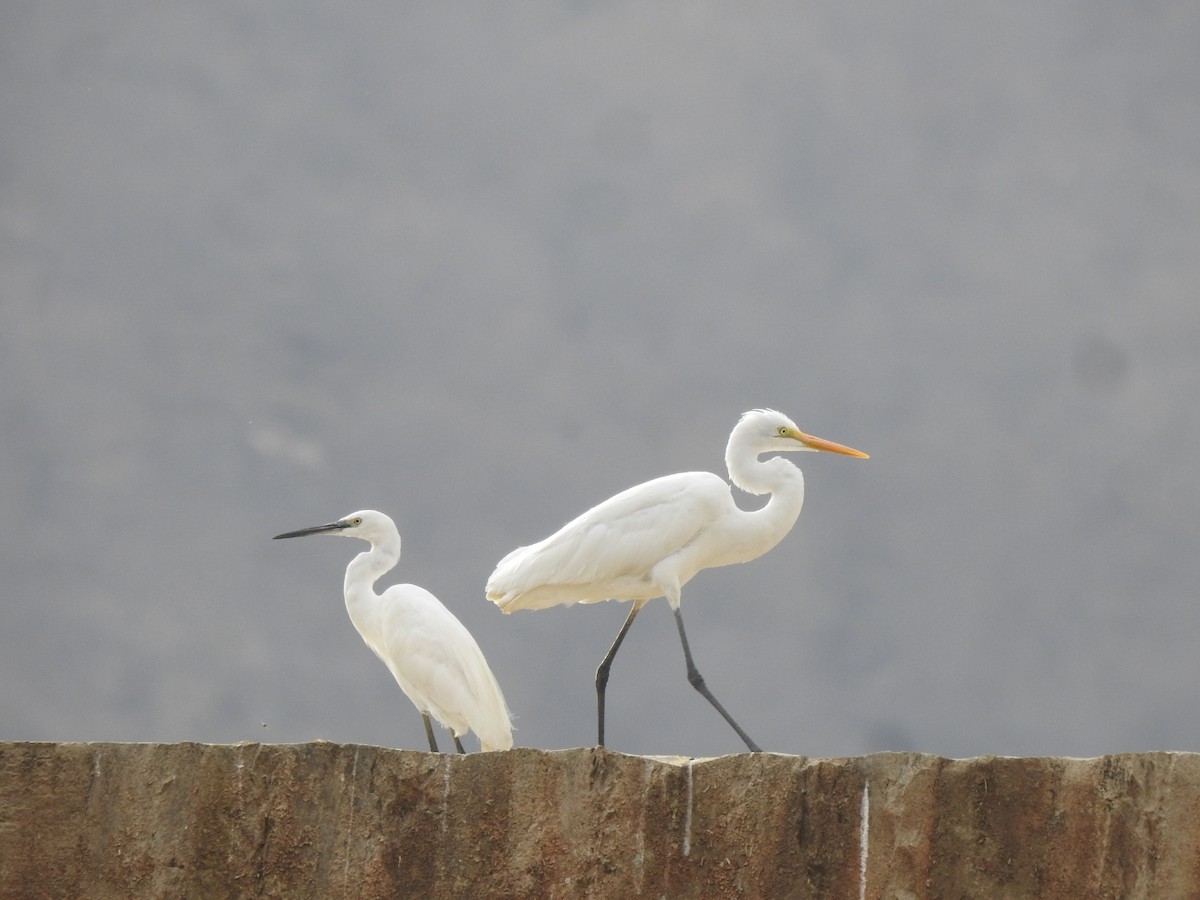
x=483 y=265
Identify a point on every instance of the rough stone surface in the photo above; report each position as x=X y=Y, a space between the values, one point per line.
x=329 y=820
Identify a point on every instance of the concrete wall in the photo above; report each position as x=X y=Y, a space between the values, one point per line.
x=328 y=820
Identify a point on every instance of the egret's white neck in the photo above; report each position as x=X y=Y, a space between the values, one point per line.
x=754 y=475
x=366 y=569
x=775 y=476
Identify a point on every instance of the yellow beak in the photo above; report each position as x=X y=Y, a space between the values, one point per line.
x=816 y=443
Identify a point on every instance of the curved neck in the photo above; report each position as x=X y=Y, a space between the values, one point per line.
x=775 y=476
x=362 y=573
x=756 y=476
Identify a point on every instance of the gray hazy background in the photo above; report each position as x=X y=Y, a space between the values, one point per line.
x=483 y=265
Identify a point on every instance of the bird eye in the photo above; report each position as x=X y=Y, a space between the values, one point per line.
x=357 y=520
x=783 y=431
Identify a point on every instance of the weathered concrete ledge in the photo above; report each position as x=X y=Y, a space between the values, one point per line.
x=329 y=820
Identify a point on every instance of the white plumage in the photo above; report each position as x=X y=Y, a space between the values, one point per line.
x=611 y=551
x=650 y=540
x=429 y=652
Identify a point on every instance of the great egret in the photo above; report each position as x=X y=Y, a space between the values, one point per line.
x=650 y=540
x=429 y=652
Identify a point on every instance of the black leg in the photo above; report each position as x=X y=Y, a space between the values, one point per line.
x=697 y=681
x=602 y=672
x=458 y=744
x=429 y=732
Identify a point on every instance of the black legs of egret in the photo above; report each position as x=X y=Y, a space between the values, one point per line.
x=695 y=679
x=433 y=741
x=605 y=665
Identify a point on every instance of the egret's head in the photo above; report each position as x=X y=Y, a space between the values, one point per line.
x=368 y=524
x=770 y=431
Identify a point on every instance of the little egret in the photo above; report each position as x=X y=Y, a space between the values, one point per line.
x=650 y=540
x=429 y=652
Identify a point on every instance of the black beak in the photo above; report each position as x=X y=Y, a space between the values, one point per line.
x=331 y=528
